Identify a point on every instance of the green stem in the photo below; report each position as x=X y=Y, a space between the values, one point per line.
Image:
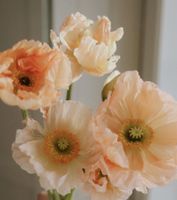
x=69 y=93
x=54 y=195
x=50 y=195
x=69 y=195
x=24 y=114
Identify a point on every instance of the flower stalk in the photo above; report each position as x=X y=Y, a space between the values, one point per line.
x=54 y=195
x=69 y=93
x=25 y=114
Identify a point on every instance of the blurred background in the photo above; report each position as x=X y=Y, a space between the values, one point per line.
x=149 y=46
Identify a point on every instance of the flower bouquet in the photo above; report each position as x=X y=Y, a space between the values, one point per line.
x=129 y=143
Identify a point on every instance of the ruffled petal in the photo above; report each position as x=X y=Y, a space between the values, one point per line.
x=31 y=74
x=111 y=147
x=95 y=58
x=72 y=30
x=32 y=132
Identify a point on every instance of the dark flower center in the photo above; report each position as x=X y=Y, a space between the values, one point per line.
x=24 y=80
x=135 y=132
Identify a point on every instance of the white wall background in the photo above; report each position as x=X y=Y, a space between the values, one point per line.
x=167 y=72
x=167 y=61
x=160 y=61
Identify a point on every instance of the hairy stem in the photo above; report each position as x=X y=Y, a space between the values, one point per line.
x=69 y=93
x=54 y=195
x=25 y=114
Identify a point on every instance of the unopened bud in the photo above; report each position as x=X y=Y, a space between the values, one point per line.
x=109 y=84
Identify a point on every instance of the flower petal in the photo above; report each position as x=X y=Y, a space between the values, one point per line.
x=95 y=58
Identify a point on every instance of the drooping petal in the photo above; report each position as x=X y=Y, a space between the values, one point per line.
x=111 y=147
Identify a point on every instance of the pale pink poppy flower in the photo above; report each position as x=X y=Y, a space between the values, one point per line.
x=99 y=185
x=142 y=122
x=31 y=73
x=61 y=152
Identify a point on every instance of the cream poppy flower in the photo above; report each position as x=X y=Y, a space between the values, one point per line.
x=143 y=120
x=101 y=32
x=69 y=38
x=97 y=46
x=31 y=72
x=99 y=186
x=61 y=151
x=73 y=29
x=76 y=68
x=92 y=43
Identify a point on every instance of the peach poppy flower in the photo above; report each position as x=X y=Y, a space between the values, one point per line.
x=115 y=161
x=99 y=186
x=143 y=119
x=31 y=72
x=61 y=151
x=97 y=46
